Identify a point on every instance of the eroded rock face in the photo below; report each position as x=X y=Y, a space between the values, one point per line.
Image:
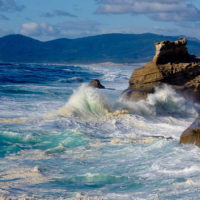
x=171 y=65
x=96 y=84
x=171 y=51
x=192 y=134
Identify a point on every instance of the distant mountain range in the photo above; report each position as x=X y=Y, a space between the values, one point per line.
x=118 y=48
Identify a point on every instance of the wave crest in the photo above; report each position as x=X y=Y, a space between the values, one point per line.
x=85 y=102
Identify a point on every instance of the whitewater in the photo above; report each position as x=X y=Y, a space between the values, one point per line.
x=60 y=138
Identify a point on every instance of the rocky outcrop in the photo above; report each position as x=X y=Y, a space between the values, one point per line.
x=169 y=51
x=171 y=65
x=96 y=84
x=192 y=134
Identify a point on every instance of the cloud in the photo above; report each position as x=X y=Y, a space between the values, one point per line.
x=10 y=5
x=5 y=31
x=69 y=29
x=165 y=10
x=3 y=17
x=64 y=13
x=60 y=13
x=48 y=15
x=37 y=29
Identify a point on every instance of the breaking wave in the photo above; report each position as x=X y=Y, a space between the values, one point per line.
x=88 y=102
x=85 y=102
x=164 y=102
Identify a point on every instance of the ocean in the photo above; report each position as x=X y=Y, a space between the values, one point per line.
x=60 y=138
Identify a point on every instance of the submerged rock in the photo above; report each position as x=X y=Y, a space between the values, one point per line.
x=96 y=83
x=192 y=134
x=171 y=65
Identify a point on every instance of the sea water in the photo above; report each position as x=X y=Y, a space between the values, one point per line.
x=60 y=138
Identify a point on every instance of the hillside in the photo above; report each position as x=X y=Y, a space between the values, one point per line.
x=119 y=48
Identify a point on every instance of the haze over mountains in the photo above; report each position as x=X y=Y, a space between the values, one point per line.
x=118 y=48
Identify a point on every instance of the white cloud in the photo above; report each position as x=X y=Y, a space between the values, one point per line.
x=37 y=29
x=163 y=10
x=68 y=29
x=31 y=29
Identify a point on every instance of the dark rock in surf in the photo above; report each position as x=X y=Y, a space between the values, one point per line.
x=171 y=65
x=134 y=95
x=192 y=134
x=96 y=84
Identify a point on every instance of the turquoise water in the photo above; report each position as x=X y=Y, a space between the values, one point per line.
x=61 y=138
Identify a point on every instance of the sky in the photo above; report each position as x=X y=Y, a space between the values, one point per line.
x=51 y=19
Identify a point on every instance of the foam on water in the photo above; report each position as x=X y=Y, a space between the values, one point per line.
x=57 y=143
x=165 y=101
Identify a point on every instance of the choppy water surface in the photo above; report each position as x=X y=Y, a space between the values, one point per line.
x=60 y=138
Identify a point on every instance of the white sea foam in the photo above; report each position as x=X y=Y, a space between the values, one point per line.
x=165 y=101
x=185 y=171
x=106 y=139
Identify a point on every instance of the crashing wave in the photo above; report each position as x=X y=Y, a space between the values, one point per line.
x=85 y=102
x=165 y=101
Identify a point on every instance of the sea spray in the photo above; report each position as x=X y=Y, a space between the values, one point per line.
x=163 y=102
x=85 y=102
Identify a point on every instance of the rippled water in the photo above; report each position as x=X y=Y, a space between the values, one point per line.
x=61 y=138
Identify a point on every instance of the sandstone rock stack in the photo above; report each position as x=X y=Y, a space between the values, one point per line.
x=172 y=65
x=168 y=51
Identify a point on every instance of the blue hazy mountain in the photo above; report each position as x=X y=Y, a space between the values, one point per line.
x=119 y=48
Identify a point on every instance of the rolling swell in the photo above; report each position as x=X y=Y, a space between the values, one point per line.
x=13 y=142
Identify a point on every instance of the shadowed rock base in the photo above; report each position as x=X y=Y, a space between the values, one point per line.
x=134 y=95
x=192 y=137
x=192 y=134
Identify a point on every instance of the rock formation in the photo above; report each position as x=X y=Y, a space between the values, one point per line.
x=96 y=84
x=168 y=51
x=171 y=65
x=192 y=134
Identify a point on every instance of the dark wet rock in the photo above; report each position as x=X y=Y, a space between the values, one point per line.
x=192 y=134
x=134 y=95
x=169 y=138
x=171 y=65
x=96 y=83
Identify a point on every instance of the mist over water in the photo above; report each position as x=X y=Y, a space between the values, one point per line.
x=61 y=138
